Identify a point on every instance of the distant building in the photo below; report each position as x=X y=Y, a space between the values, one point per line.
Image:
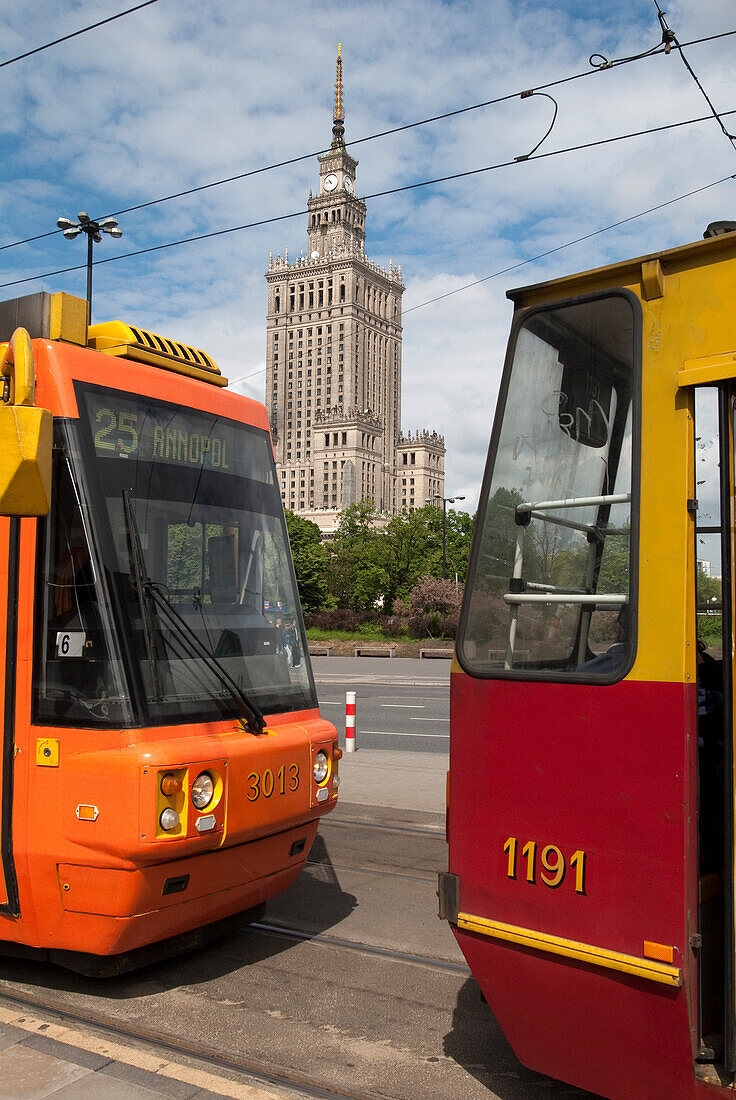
x=333 y=363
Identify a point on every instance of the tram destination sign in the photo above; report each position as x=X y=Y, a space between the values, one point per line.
x=148 y=431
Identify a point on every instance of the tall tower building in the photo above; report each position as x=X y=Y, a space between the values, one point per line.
x=333 y=359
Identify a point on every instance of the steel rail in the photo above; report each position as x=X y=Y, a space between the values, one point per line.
x=427 y=830
x=420 y=876
x=425 y=961
x=264 y=1073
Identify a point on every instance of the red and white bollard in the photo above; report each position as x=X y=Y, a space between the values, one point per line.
x=350 y=745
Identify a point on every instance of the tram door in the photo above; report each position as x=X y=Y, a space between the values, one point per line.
x=715 y=413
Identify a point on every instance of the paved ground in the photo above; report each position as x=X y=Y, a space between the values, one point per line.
x=41 y=1056
x=402 y=780
x=310 y=1005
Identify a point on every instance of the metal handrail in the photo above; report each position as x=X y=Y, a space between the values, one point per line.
x=608 y=600
x=573 y=502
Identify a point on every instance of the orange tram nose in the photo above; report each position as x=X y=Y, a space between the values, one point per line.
x=164 y=762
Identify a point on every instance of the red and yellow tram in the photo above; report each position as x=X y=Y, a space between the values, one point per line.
x=591 y=783
x=164 y=763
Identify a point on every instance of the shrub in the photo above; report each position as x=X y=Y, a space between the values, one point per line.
x=434 y=594
x=342 y=618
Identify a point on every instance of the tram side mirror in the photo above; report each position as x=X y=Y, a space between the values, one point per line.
x=586 y=407
x=222 y=553
x=25 y=460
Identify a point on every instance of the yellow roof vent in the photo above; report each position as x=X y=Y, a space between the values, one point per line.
x=129 y=342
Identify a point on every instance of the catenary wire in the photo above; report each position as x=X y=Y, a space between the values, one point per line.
x=568 y=244
x=75 y=34
x=669 y=38
x=373 y=195
x=539 y=256
x=371 y=137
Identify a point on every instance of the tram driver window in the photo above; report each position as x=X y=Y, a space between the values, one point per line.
x=75 y=680
x=550 y=592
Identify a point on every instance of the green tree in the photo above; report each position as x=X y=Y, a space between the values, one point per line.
x=356 y=578
x=370 y=564
x=709 y=589
x=410 y=547
x=310 y=561
x=460 y=526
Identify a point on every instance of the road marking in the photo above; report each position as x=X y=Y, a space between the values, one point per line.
x=405 y=706
x=332 y=703
x=387 y=733
x=429 y=719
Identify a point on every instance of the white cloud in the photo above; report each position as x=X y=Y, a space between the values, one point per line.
x=167 y=99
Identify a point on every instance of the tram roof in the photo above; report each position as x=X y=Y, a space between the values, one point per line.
x=61 y=316
x=683 y=256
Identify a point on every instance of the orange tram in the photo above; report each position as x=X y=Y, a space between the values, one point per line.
x=164 y=763
x=591 y=784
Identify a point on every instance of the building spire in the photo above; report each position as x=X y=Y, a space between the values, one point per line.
x=338 y=115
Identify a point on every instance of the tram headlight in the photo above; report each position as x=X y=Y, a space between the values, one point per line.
x=169 y=819
x=321 y=767
x=203 y=790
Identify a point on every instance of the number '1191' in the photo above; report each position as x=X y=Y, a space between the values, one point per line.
x=545 y=864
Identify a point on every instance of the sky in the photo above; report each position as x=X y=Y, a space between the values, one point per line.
x=180 y=94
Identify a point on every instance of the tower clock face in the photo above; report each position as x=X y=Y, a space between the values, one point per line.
x=330 y=182
x=348 y=185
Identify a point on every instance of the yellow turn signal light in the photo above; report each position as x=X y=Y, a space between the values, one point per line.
x=170 y=784
x=336 y=753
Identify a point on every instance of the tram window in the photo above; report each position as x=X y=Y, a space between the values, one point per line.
x=550 y=592
x=204 y=504
x=76 y=681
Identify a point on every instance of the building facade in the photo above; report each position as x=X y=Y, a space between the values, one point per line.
x=333 y=363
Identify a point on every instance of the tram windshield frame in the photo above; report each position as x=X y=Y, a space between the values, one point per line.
x=196 y=495
x=551 y=590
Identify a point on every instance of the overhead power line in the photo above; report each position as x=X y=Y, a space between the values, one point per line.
x=373 y=195
x=539 y=256
x=75 y=34
x=669 y=39
x=507 y=97
x=568 y=244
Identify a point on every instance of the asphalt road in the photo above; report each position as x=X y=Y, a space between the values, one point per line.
x=392 y=716
x=401 y=705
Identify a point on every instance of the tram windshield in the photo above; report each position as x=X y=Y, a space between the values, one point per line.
x=550 y=591
x=168 y=585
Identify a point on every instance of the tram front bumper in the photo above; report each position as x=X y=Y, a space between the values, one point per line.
x=110 y=910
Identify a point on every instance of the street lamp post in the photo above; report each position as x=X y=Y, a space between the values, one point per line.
x=445 y=502
x=94 y=231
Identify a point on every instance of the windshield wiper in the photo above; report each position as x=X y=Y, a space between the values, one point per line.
x=251 y=715
x=139 y=573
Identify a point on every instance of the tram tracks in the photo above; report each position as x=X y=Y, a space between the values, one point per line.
x=260 y=1073
x=268 y=1075
x=362 y=948
x=384 y=827
x=348 y=988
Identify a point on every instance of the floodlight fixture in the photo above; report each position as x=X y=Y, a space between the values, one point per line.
x=93 y=230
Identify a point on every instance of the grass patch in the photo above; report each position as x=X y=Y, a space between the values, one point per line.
x=369 y=632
